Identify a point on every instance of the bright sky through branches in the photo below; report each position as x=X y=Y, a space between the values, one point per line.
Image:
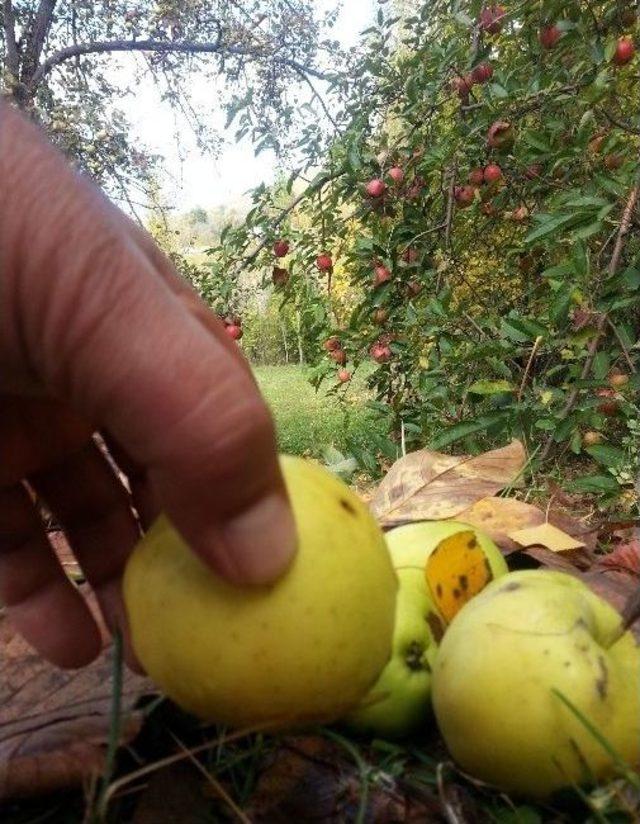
x=195 y=179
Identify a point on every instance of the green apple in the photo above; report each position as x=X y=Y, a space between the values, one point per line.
x=305 y=648
x=507 y=658
x=398 y=703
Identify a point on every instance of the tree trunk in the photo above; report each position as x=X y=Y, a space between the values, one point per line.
x=283 y=330
x=299 y=335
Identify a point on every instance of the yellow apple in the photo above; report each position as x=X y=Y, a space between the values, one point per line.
x=399 y=702
x=504 y=659
x=306 y=648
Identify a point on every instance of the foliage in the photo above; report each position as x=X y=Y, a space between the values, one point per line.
x=61 y=64
x=511 y=304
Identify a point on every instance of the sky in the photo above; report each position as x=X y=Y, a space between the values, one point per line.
x=194 y=179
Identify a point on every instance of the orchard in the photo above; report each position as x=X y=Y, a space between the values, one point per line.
x=471 y=233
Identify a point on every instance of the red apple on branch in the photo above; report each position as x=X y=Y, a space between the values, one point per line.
x=324 y=262
x=281 y=248
x=625 y=49
x=375 y=187
x=549 y=36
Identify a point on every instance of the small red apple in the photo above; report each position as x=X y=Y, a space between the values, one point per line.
x=476 y=177
x=520 y=214
x=492 y=18
x=482 y=72
x=234 y=331
x=618 y=379
x=396 y=174
x=625 y=49
x=492 y=173
x=464 y=196
x=609 y=406
x=613 y=161
x=381 y=275
x=344 y=376
x=279 y=276
x=339 y=356
x=591 y=438
x=500 y=135
x=332 y=343
x=324 y=262
x=375 y=187
x=462 y=86
x=549 y=36
x=410 y=255
x=413 y=288
x=380 y=352
x=380 y=316
x=595 y=144
x=281 y=248
x=533 y=171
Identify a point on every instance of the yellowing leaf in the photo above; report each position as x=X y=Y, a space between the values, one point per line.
x=456 y=570
x=545 y=535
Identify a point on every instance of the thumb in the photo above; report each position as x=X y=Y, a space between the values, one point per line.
x=102 y=328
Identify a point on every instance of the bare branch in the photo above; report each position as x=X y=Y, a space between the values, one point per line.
x=166 y=47
x=36 y=38
x=9 y=25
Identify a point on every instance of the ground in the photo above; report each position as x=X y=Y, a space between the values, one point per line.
x=307 y=421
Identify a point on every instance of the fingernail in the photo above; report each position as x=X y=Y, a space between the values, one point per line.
x=260 y=542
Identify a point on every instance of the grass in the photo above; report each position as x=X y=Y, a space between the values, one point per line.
x=308 y=422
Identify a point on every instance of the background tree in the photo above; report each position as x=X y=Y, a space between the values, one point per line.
x=58 y=65
x=480 y=201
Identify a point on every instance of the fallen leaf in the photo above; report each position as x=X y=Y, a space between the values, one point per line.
x=499 y=517
x=546 y=535
x=312 y=779
x=625 y=557
x=427 y=485
x=54 y=723
x=615 y=587
x=456 y=571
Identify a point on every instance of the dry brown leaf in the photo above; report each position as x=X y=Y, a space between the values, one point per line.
x=499 y=517
x=546 y=535
x=311 y=779
x=427 y=485
x=54 y=723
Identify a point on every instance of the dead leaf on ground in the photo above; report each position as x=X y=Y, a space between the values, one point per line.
x=308 y=778
x=624 y=557
x=499 y=517
x=54 y=723
x=427 y=485
x=546 y=535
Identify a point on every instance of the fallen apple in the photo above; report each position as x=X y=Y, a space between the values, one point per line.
x=398 y=703
x=504 y=665
x=306 y=648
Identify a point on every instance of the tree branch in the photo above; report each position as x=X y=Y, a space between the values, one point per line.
x=166 y=47
x=9 y=25
x=37 y=36
x=314 y=187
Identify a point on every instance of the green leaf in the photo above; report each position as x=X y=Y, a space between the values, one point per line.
x=462 y=430
x=595 y=483
x=606 y=455
x=490 y=387
x=601 y=364
x=549 y=226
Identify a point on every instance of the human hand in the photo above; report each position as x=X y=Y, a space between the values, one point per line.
x=99 y=334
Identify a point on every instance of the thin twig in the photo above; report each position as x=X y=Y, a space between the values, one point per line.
x=217 y=786
x=623 y=346
x=534 y=349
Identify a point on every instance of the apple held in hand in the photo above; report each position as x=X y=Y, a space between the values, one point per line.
x=398 y=703
x=497 y=675
x=306 y=648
